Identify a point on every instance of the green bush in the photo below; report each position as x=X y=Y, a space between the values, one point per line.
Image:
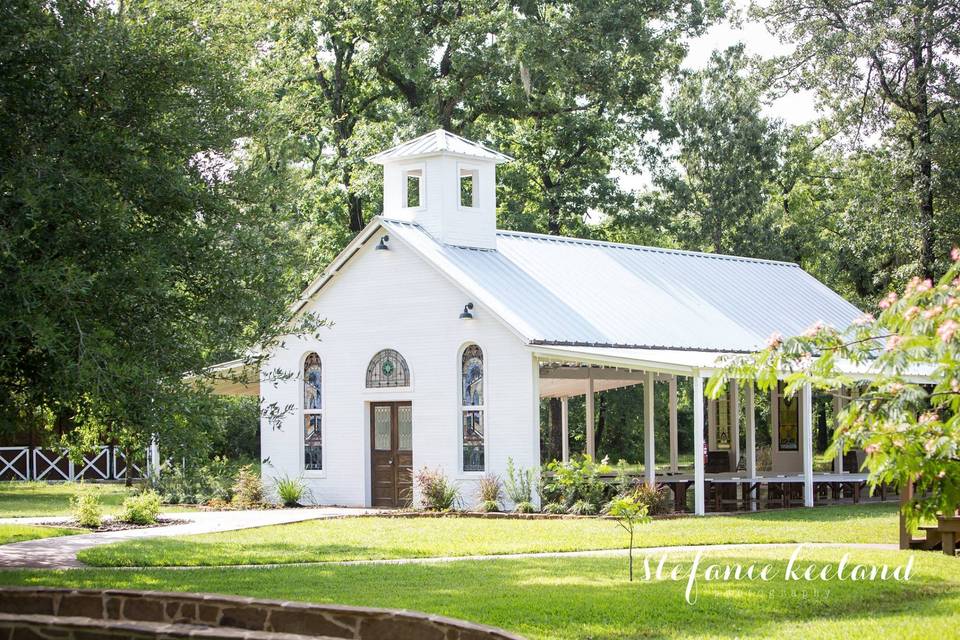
x=290 y=491
x=194 y=482
x=86 y=509
x=577 y=481
x=247 y=488
x=525 y=507
x=583 y=508
x=555 y=508
x=519 y=483
x=437 y=493
x=488 y=506
x=141 y=509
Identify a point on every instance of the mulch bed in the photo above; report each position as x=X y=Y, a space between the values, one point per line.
x=116 y=525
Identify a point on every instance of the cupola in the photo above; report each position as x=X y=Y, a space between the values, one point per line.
x=446 y=184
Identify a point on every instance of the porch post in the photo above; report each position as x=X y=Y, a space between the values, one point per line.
x=806 y=435
x=591 y=445
x=673 y=423
x=698 y=485
x=648 y=440
x=734 y=424
x=752 y=442
x=153 y=467
x=565 y=427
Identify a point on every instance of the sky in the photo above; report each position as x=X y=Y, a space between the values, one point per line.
x=794 y=109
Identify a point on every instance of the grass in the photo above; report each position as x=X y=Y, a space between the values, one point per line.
x=21 y=532
x=590 y=598
x=26 y=499
x=380 y=538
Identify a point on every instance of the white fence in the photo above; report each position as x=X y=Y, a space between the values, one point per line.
x=35 y=463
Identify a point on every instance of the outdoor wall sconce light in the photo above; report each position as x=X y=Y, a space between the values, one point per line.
x=466 y=315
x=382 y=246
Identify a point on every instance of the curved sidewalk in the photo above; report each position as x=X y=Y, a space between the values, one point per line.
x=61 y=552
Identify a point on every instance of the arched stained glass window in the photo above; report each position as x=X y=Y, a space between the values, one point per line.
x=472 y=408
x=388 y=369
x=312 y=413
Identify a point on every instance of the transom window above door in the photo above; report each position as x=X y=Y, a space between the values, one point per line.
x=388 y=369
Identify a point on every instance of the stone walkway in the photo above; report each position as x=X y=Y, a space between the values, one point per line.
x=61 y=552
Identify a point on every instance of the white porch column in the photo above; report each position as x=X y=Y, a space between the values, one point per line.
x=673 y=423
x=751 y=440
x=698 y=485
x=648 y=440
x=837 y=408
x=565 y=427
x=806 y=440
x=153 y=469
x=591 y=444
x=734 y=395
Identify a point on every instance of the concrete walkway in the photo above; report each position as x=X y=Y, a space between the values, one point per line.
x=61 y=552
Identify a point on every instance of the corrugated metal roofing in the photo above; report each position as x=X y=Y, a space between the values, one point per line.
x=437 y=142
x=556 y=290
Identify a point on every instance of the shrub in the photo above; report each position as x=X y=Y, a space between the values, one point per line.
x=247 y=488
x=195 y=482
x=555 y=508
x=141 y=509
x=525 y=507
x=437 y=493
x=519 y=483
x=576 y=481
x=289 y=490
x=490 y=491
x=583 y=508
x=86 y=509
x=656 y=499
x=489 y=506
x=623 y=481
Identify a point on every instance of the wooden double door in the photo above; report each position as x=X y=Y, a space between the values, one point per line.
x=391 y=453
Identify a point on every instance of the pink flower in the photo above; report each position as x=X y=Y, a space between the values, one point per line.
x=928 y=417
x=895 y=387
x=775 y=340
x=942 y=473
x=911 y=313
x=865 y=319
x=955 y=254
x=888 y=301
x=947 y=330
x=926 y=285
x=893 y=342
x=932 y=312
x=813 y=329
x=871 y=448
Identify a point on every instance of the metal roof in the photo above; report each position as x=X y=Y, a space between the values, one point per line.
x=439 y=141
x=566 y=291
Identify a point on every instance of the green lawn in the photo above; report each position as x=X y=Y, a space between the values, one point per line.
x=377 y=538
x=23 y=499
x=590 y=598
x=20 y=532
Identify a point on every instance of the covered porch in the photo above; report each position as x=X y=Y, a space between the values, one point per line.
x=727 y=475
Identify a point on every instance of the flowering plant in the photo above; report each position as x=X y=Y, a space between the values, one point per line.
x=905 y=363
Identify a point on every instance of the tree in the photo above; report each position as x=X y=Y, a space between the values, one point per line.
x=882 y=65
x=629 y=512
x=134 y=247
x=909 y=430
x=727 y=158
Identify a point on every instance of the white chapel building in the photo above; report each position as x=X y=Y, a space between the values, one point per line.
x=447 y=333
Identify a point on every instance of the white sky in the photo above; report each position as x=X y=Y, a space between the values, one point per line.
x=794 y=109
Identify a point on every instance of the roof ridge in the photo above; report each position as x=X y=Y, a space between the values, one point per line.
x=640 y=247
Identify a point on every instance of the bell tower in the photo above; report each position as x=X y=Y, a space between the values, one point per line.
x=446 y=184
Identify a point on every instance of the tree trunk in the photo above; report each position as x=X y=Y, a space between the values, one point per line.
x=924 y=185
x=554 y=445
